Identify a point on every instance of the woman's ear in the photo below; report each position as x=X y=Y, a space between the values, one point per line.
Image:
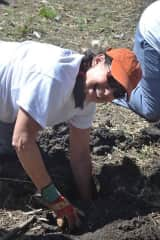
x=100 y=58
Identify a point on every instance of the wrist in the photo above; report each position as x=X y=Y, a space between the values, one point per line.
x=50 y=193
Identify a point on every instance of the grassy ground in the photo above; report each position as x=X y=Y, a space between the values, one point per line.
x=71 y=23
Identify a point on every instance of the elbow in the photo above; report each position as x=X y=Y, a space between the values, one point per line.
x=146 y=108
x=151 y=115
x=22 y=144
x=152 y=118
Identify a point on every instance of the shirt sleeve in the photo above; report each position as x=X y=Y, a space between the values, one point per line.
x=84 y=117
x=35 y=96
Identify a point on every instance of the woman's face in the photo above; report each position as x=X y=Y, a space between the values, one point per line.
x=96 y=85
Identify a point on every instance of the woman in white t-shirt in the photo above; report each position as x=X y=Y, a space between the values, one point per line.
x=42 y=85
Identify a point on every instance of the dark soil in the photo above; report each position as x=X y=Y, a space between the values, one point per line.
x=125 y=147
x=125 y=206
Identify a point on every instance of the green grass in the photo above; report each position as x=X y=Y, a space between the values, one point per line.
x=47 y=12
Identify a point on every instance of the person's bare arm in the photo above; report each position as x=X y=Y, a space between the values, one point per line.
x=24 y=141
x=80 y=160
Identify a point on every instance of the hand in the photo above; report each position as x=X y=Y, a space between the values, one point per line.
x=64 y=210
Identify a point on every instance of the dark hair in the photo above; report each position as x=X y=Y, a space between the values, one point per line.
x=78 y=91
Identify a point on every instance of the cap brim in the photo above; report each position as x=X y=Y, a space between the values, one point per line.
x=120 y=75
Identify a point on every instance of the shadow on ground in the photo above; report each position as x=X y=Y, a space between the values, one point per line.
x=126 y=206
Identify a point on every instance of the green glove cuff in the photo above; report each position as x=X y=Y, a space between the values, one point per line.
x=50 y=193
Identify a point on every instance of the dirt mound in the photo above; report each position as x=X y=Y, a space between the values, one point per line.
x=126 y=206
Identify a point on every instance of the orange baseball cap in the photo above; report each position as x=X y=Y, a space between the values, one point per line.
x=125 y=68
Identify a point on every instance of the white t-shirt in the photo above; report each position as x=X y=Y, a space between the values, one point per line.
x=40 y=78
x=149 y=25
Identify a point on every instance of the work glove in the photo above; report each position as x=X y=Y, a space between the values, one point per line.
x=66 y=214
